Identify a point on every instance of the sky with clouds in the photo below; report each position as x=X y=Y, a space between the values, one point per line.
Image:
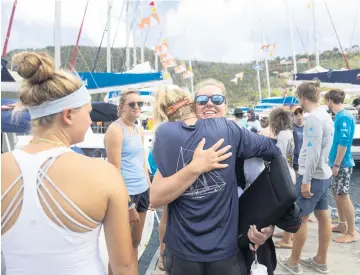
x=211 y=30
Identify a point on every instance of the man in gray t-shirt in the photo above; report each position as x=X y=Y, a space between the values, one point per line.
x=314 y=180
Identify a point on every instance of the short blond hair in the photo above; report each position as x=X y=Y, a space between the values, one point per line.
x=210 y=82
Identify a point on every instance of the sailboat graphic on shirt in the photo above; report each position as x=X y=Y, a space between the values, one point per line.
x=207 y=183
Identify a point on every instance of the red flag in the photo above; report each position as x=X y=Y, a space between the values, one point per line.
x=152 y=3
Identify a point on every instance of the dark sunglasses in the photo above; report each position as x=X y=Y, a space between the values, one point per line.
x=132 y=105
x=298 y=111
x=204 y=99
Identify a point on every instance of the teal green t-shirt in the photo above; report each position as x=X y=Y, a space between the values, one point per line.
x=344 y=126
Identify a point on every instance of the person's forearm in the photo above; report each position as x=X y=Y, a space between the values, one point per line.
x=341 y=151
x=168 y=189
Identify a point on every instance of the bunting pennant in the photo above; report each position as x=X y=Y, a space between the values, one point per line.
x=240 y=76
x=162 y=49
x=234 y=80
x=169 y=63
x=180 y=68
x=152 y=20
x=166 y=56
x=309 y=4
x=188 y=74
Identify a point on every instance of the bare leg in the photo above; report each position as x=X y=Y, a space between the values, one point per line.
x=162 y=230
x=298 y=243
x=341 y=227
x=324 y=231
x=348 y=211
x=136 y=234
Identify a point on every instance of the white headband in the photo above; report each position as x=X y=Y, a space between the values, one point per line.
x=74 y=100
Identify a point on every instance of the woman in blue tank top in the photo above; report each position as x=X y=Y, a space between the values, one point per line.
x=124 y=143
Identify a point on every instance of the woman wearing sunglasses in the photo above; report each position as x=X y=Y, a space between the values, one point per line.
x=201 y=233
x=124 y=144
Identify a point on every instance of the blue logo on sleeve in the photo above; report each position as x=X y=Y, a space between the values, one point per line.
x=309 y=144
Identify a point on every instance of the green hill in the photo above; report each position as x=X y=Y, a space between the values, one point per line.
x=244 y=93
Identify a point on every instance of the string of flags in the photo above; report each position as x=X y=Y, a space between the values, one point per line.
x=152 y=20
x=163 y=51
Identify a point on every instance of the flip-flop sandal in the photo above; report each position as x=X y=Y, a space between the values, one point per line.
x=161 y=264
x=281 y=244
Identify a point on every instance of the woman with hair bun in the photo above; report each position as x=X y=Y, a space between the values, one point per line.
x=53 y=200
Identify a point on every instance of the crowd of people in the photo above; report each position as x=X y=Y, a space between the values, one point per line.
x=55 y=201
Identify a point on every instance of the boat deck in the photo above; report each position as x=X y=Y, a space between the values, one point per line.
x=343 y=259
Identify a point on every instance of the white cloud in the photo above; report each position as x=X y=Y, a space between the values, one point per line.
x=214 y=30
x=224 y=30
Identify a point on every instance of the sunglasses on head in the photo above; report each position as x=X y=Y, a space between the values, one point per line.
x=132 y=105
x=204 y=99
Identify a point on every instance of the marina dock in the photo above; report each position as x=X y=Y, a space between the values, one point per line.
x=343 y=259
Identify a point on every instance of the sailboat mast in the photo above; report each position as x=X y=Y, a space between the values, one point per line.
x=266 y=67
x=9 y=29
x=337 y=36
x=108 y=32
x=142 y=44
x=257 y=70
x=291 y=36
x=317 y=53
x=127 y=37
x=57 y=34
x=77 y=40
x=191 y=77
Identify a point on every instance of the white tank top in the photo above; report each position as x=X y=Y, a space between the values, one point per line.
x=35 y=245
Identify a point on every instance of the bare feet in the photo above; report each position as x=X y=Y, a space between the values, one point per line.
x=347 y=238
x=340 y=228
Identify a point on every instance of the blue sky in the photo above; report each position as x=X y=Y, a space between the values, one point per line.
x=211 y=30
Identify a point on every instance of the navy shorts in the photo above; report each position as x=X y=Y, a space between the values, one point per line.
x=320 y=198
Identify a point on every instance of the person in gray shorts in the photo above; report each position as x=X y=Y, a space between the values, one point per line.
x=314 y=181
x=342 y=163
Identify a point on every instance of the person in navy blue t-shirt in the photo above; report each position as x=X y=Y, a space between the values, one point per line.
x=196 y=179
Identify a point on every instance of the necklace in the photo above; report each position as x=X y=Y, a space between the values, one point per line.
x=39 y=140
x=132 y=126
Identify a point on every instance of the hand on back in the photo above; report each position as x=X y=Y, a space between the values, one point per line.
x=206 y=160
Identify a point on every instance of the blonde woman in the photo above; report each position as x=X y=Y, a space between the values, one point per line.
x=124 y=144
x=201 y=192
x=54 y=201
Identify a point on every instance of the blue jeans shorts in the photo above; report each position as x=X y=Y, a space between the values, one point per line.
x=320 y=198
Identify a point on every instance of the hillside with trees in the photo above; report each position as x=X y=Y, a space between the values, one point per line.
x=244 y=93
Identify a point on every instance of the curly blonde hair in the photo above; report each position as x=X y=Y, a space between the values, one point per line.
x=280 y=120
